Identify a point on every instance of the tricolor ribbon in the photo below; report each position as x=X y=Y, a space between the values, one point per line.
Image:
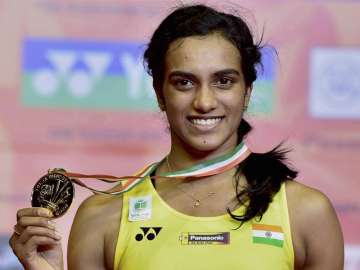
x=207 y=168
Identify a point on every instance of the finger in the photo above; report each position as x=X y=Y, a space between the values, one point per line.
x=34 y=212
x=18 y=229
x=25 y=221
x=36 y=241
x=12 y=241
x=32 y=231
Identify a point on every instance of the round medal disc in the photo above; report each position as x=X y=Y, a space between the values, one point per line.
x=53 y=191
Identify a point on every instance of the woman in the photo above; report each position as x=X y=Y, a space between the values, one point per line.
x=248 y=216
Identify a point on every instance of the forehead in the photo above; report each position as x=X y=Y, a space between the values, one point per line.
x=205 y=53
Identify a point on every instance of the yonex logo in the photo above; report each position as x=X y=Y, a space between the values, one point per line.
x=149 y=232
x=87 y=74
x=80 y=82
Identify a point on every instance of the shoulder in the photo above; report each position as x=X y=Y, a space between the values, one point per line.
x=308 y=203
x=95 y=227
x=308 y=198
x=97 y=207
x=98 y=212
x=314 y=222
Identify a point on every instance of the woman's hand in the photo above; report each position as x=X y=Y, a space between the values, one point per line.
x=35 y=240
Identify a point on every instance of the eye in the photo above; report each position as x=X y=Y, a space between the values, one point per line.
x=183 y=84
x=224 y=82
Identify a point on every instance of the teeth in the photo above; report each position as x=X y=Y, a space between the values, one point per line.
x=205 y=122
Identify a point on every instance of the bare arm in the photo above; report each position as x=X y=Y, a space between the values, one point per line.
x=325 y=245
x=318 y=239
x=93 y=234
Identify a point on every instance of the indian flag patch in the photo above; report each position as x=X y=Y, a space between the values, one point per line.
x=267 y=234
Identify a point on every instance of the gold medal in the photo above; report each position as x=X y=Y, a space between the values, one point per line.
x=53 y=191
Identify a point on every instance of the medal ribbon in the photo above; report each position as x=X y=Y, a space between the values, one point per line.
x=207 y=168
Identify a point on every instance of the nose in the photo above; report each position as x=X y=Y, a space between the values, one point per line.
x=205 y=99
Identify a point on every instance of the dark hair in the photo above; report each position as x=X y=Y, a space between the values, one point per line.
x=201 y=20
x=264 y=174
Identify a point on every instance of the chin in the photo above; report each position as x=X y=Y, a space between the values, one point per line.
x=205 y=146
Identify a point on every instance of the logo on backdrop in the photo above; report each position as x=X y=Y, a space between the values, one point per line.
x=334 y=83
x=76 y=73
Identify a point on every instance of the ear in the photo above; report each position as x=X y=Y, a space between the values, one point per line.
x=247 y=96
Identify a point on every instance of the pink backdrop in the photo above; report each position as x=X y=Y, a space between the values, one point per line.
x=313 y=100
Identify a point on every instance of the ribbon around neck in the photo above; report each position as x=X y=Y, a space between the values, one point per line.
x=207 y=168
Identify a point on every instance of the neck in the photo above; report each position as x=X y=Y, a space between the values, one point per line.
x=184 y=193
x=182 y=156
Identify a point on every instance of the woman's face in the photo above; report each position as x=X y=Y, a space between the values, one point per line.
x=204 y=93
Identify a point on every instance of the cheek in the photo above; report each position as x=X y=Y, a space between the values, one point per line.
x=174 y=111
x=236 y=114
x=235 y=104
x=177 y=104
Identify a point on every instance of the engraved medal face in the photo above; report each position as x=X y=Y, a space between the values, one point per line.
x=53 y=191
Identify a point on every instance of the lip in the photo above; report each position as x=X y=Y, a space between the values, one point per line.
x=204 y=117
x=205 y=127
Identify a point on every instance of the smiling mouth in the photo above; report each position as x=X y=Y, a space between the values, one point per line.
x=205 y=122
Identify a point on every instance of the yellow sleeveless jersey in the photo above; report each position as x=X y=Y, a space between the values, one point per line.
x=154 y=236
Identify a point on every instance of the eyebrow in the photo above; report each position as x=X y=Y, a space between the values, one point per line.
x=219 y=73
x=182 y=74
x=228 y=71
